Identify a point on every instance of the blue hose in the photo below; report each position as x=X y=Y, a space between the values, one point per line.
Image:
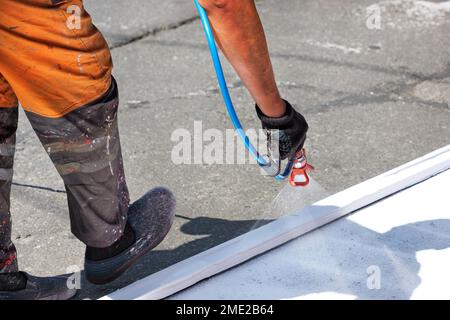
x=223 y=87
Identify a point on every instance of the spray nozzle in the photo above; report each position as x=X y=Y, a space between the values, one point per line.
x=299 y=174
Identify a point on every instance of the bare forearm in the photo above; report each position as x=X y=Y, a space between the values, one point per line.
x=240 y=35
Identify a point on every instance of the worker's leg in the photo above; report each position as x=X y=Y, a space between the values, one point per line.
x=84 y=146
x=61 y=73
x=10 y=277
x=62 y=77
x=8 y=126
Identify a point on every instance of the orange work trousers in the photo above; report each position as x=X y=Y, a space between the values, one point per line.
x=52 y=58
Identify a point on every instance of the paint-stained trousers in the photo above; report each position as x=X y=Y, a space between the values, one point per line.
x=62 y=78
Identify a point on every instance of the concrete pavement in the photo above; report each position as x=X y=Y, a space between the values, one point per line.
x=375 y=98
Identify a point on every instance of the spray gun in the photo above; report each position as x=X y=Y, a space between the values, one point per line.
x=297 y=166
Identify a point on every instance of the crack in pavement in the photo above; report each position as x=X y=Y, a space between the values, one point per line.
x=154 y=32
x=157 y=30
x=38 y=187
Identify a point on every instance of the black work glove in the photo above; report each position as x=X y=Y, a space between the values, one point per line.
x=288 y=132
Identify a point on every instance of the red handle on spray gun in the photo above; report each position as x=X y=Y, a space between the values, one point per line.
x=300 y=168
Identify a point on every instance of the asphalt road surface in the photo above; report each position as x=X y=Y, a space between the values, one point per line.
x=375 y=90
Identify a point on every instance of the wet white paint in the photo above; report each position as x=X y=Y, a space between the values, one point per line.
x=406 y=237
x=434 y=266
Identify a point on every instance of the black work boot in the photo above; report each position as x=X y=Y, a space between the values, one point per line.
x=150 y=218
x=37 y=288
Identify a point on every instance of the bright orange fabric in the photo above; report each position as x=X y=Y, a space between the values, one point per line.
x=52 y=67
x=8 y=98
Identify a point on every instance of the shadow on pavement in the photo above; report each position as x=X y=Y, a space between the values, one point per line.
x=215 y=231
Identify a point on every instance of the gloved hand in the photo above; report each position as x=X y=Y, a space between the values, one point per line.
x=287 y=132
